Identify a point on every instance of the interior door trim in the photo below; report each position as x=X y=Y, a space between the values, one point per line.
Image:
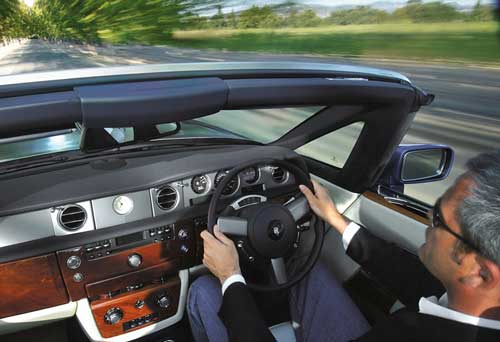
x=382 y=201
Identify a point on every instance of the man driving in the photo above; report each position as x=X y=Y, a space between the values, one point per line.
x=451 y=292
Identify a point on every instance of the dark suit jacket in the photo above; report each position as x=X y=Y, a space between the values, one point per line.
x=398 y=270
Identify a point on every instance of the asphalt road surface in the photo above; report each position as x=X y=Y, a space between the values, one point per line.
x=465 y=114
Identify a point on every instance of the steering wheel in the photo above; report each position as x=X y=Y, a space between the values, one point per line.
x=270 y=229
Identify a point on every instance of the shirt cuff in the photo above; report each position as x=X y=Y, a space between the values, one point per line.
x=235 y=278
x=349 y=232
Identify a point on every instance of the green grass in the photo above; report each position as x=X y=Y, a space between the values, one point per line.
x=467 y=42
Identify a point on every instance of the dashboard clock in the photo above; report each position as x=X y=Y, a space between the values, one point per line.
x=123 y=205
x=200 y=184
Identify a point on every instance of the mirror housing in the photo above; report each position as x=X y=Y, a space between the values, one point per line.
x=417 y=163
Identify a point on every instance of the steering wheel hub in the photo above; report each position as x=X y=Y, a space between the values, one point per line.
x=271 y=230
x=276 y=230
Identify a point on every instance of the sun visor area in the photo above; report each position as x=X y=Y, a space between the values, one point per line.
x=153 y=102
x=35 y=113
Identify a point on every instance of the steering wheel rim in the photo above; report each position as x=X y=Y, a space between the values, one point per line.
x=319 y=226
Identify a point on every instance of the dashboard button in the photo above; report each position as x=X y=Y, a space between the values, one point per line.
x=134 y=260
x=113 y=316
x=162 y=300
x=73 y=262
x=139 y=304
x=77 y=277
x=182 y=234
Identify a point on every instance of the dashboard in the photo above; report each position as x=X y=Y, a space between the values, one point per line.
x=120 y=263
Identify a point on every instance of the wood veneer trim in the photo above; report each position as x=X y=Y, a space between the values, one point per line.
x=31 y=284
x=372 y=196
x=126 y=303
x=120 y=282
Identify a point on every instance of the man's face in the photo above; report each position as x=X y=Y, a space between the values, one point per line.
x=437 y=251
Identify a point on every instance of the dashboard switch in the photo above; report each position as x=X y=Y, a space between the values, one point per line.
x=162 y=300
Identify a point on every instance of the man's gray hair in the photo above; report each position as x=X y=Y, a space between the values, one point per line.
x=479 y=213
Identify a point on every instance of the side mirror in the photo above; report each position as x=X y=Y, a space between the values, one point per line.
x=419 y=163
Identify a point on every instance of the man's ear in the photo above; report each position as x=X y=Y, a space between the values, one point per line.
x=490 y=273
x=479 y=272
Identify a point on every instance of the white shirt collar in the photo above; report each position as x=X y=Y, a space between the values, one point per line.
x=433 y=306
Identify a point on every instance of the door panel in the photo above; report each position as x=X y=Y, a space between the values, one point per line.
x=372 y=211
x=333 y=253
x=389 y=221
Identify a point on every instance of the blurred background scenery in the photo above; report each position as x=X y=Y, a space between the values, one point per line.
x=449 y=48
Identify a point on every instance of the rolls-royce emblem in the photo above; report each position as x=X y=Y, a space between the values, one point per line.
x=276 y=230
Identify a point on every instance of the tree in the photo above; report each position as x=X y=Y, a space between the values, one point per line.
x=428 y=12
x=218 y=20
x=358 y=15
x=255 y=17
x=10 y=16
x=482 y=12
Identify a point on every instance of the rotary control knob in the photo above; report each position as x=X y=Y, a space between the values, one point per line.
x=182 y=234
x=134 y=260
x=113 y=316
x=162 y=300
x=73 y=262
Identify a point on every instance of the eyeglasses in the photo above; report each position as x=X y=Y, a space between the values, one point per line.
x=437 y=221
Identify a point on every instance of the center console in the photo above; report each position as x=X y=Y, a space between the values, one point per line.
x=131 y=281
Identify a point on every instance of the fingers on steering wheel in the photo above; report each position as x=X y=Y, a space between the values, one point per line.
x=305 y=190
x=208 y=237
x=219 y=235
x=316 y=185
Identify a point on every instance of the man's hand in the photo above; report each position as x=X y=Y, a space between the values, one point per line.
x=220 y=255
x=322 y=204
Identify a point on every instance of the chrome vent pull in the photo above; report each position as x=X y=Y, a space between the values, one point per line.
x=72 y=217
x=167 y=198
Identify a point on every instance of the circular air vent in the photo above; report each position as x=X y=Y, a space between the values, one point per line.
x=167 y=198
x=72 y=217
x=279 y=175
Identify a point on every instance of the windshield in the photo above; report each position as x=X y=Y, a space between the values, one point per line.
x=260 y=125
x=448 y=48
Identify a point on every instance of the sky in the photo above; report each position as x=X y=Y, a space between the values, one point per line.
x=367 y=2
x=29 y=2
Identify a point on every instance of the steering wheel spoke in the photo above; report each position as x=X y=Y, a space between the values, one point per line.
x=279 y=270
x=232 y=225
x=299 y=207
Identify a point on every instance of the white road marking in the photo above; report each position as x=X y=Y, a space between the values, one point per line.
x=477 y=86
x=210 y=59
x=492 y=120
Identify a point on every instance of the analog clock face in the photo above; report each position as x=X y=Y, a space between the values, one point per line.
x=123 y=205
x=200 y=184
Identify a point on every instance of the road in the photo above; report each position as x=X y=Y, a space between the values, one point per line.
x=465 y=114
